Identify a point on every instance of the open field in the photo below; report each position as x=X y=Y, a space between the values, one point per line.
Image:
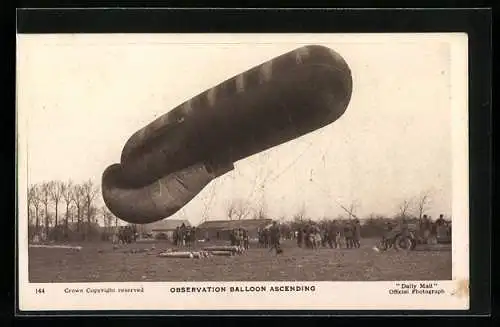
x=100 y=262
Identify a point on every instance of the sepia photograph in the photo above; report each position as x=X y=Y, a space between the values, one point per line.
x=262 y=159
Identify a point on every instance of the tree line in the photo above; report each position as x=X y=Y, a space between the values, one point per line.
x=69 y=211
x=66 y=211
x=411 y=210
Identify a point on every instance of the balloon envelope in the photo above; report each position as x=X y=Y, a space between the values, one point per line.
x=168 y=162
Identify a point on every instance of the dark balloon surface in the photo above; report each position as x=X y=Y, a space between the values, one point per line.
x=167 y=163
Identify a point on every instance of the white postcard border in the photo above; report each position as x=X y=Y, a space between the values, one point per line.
x=326 y=295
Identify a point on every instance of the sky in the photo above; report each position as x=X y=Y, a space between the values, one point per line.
x=80 y=97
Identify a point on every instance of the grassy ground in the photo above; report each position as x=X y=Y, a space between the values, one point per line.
x=100 y=262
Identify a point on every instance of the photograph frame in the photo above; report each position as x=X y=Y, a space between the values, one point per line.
x=78 y=21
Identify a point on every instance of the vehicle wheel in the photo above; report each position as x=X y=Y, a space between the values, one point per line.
x=403 y=243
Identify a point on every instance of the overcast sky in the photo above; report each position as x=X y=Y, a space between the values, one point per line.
x=83 y=96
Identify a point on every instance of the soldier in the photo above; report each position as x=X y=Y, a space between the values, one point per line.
x=187 y=236
x=232 y=237
x=425 y=227
x=317 y=236
x=267 y=237
x=332 y=235
x=324 y=236
x=307 y=232
x=300 y=235
x=357 y=233
x=440 y=226
x=239 y=237
x=193 y=235
x=182 y=235
x=440 y=221
x=246 y=239
x=348 y=234
x=274 y=233
x=175 y=236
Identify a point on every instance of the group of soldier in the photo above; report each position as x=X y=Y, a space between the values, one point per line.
x=434 y=228
x=312 y=236
x=270 y=236
x=239 y=237
x=334 y=235
x=184 y=236
x=125 y=235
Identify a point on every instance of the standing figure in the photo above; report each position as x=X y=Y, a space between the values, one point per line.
x=300 y=235
x=267 y=238
x=182 y=235
x=274 y=233
x=332 y=235
x=357 y=233
x=425 y=228
x=232 y=237
x=246 y=240
x=348 y=234
x=324 y=236
x=193 y=236
x=307 y=233
x=175 y=236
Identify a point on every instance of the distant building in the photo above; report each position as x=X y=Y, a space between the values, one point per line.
x=219 y=229
x=165 y=226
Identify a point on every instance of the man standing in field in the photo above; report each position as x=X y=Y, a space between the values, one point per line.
x=246 y=240
x=425 y=227
x=274 y=233
x=440 y=221
x=348 y=234
x=332 y=235
x=176 y=236
x=300 y=235
x=232 y=237
x=357 y=233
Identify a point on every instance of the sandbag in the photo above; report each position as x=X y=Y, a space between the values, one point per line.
x=232 y=248
x=186 y=255
x=77 y=248
x=222 y=253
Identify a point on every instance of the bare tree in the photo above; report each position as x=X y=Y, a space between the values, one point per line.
x=422 y=204
x=403 y=208
x=77 y=197
x=34 y=201
x=67 y=195
x=46 y=190
x=107 y=217
x=301 y=214
x=90 y=192
x=230 y=210
x=55 y=195
x=238 y=209
x=31 y=198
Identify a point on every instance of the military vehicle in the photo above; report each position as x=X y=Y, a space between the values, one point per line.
x=408 y=236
